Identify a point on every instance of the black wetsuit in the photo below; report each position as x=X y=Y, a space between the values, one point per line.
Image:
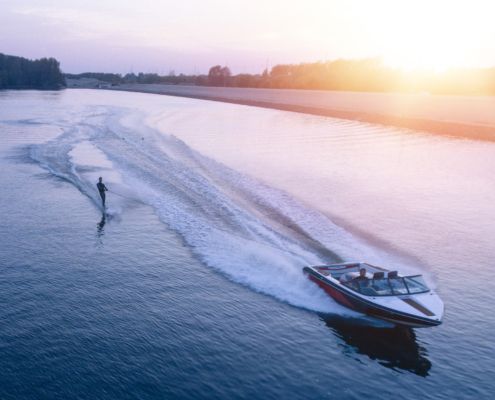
x=102 y=189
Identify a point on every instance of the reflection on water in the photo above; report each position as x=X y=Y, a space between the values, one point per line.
x=395 y=348
x=100 y=228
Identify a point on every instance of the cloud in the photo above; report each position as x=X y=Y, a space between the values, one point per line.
x=85 y=25
x=118 y=26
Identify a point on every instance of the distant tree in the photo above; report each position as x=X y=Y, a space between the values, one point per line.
x=201 y=80
x=356 y=75
x=219 y=76
x=21 y=73
x=215 y=75
x=101 y=76
x=148 y=78
x=225 y=71
x=246 y=80
x=130 y=78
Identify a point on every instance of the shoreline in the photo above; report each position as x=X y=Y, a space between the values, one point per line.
x=474 y=116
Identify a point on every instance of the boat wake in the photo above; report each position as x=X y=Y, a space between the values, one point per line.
x=254 y=234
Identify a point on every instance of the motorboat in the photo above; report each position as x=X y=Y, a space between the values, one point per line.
x=380 y=293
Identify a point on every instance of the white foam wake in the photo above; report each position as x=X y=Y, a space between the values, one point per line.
x=254 y=234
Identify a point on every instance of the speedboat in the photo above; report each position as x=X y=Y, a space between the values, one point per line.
x=380 y=293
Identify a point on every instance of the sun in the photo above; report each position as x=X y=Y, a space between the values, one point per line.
x=430 y=55
x=435 y=35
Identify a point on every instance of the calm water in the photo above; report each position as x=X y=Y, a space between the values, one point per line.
x=192 y=287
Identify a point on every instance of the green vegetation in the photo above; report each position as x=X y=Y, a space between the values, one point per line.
x=21 y=73
x=372 y=75
x=368 y=75
x=101 y=76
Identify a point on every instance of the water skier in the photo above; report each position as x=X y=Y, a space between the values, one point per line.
x=102 y=189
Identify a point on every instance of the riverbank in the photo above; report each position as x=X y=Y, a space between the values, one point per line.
x=469 y=117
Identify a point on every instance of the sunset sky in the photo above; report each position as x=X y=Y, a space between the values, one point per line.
x=191 y=35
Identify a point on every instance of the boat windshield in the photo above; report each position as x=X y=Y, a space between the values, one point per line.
x=416 y=284
x=388 y=286
x=398 y=285
x=382 y=287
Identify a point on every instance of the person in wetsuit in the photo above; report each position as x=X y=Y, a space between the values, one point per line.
x=102 y=189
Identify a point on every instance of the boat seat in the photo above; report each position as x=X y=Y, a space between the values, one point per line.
x=393 y=274
x=379 y=275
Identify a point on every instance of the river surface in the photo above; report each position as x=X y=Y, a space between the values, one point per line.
x=191 y=287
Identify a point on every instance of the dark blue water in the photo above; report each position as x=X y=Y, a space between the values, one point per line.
x=135 y=307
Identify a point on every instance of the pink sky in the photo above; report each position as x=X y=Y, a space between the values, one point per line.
x=191 y=35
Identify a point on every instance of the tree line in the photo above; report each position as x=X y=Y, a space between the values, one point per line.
x=21 y=73
x=367 y=75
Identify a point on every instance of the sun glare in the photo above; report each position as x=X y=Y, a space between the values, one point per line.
x=425 y=56
x=437 y=35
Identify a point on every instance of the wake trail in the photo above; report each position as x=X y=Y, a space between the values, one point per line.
x=254 y=234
